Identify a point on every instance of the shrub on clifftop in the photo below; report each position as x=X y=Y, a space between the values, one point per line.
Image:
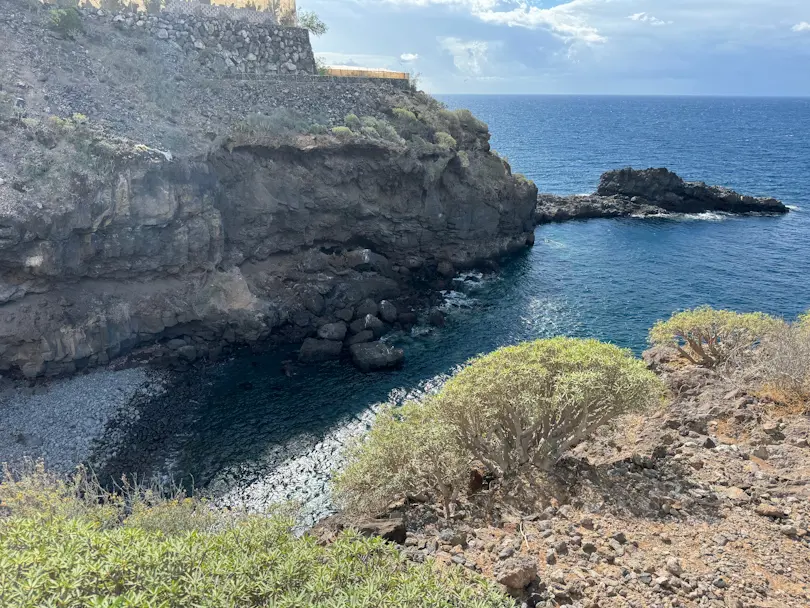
x=521 y=406
x=709 y=337
x=68 y=544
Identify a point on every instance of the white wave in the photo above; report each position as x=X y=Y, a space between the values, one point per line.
x=707 y=216
x=793 y=207
x=455 y=300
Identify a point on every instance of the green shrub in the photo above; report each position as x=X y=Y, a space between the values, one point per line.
x=408 y=450
x=60 y=546
x=281 y=123
x=528 y=404
x=310 y=21
x=445 y=141
x=709 y=337
x=66 y=21
x=404 y=114
x=342 y=133
x=318 y=129
x=352 y=122
x=784 y=362
x=521 y=406
x=464 y=158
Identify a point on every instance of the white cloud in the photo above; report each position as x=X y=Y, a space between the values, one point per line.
x=362 y=60
x=469 y=56
x=408 y=57
x=567 y=21
x=804 y=26
x=647 y=18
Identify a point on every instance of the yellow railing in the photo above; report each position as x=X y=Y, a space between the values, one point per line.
x=354 y=72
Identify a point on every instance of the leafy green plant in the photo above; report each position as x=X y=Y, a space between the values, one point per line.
x=66 y=21
x=342 y=133
x=404 y=114
x=520 y=406
x=69 y=543
x=709 y=337
x=445 y=141
x=784 y=363
x=464 y=158
x=408 y=450
x=310 y=21
x=352 y=122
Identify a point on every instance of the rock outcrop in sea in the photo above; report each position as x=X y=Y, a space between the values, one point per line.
x=649 y=192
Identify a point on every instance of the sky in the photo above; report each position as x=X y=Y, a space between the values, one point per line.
x=611 y=47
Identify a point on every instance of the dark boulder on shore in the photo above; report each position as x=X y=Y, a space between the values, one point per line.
x=646 y=192
x=375 y=356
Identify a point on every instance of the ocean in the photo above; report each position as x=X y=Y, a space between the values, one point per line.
x=609 y=278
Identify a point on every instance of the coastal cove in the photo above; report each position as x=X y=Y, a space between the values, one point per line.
x=232 y=426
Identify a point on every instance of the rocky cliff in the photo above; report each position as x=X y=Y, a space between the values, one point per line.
x=111 y=245
x=626 y=192
x=147 y=206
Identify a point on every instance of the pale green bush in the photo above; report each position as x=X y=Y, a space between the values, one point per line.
x=342 y=133
x=521 y=406
x=445 y=141
x=530 y=403
x=66 y=21
x=63 y=546
x=408 y=450
x=709 y=337
x=352 y=122
x=784 y=362
x=404 y=114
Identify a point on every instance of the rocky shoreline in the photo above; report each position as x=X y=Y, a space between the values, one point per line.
x=650 y=193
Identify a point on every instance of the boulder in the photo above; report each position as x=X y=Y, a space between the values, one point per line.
x=367 y=307
x=388 y=311
x=516 y=572
x=374 y=356
x=436 y=318
x=333 y=331
x=364 y=336
x=392 y=530
x=369 y=322
x=445 y=269
x=314 y=350
x=407 y=319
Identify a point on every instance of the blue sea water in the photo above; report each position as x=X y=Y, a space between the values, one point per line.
x=608 y=278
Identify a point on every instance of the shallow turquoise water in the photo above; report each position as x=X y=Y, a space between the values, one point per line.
x=610 y=279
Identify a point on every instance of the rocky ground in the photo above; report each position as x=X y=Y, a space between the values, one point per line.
x=649 y=192
x=704 y=503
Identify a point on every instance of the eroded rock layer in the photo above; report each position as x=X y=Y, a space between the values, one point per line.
x=244 y=244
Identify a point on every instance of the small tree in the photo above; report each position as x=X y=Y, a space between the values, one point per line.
x=784 y=362
x=407 y=451
x=709 y=337
x=530 y=403
x=520 y=406
x=310 y=21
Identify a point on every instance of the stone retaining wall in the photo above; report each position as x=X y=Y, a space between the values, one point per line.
x=223 y=45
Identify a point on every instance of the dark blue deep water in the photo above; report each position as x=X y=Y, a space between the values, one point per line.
x=610 y=279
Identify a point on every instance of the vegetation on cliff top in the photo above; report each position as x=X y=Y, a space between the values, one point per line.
x=709 y=337
x=518 y=408
x=68 y=544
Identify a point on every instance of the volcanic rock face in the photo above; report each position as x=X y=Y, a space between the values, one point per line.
x=626 y=192
x=240 y=246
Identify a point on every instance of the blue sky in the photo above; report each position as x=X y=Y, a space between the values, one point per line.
x=636 y=47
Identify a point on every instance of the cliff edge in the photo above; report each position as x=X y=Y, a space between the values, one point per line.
x=185 y=230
